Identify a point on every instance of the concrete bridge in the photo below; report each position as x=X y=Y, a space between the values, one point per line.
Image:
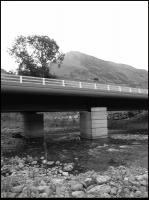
x=30 y=95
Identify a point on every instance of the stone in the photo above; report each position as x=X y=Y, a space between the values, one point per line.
x=44 y=195
x=138 y=193
x=68 y=167
x=76 y=186
x=17 y=189
x=144 y=183
x=12 y=195
x=78 y=194
x=57 y=181
x=21 y=165
x=102 y=179
x=42 y=188
x=65 y=173
x=34 y=162
x=57 y=162
x=50 y=162
x=44 y=161
x=105 y=195
x=43 y=183
x=89 y=181
x=113 y=191
x=100 y=189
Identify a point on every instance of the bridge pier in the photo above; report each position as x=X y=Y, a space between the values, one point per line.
x=93 y=125
x=33 y=125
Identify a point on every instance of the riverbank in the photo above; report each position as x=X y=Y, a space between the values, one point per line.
x=30 y=177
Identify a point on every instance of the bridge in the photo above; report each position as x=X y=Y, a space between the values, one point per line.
x=34 y=94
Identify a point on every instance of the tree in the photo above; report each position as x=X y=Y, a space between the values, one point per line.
x=34 y=55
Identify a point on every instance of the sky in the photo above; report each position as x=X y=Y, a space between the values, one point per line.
x=110 y=30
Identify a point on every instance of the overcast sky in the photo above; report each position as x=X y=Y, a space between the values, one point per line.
x=110 y=30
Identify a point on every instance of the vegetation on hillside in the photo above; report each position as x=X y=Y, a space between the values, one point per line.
x=34 y=53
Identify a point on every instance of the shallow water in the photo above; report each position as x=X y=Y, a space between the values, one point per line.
x=95 y=155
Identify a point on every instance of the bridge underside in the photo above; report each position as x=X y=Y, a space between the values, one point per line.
x=93 y=121
x=20 y=102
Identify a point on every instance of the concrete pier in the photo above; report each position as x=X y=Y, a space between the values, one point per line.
x=33 y=125
x=93 y=125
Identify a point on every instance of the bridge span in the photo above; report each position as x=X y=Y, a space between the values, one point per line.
x=34 y=94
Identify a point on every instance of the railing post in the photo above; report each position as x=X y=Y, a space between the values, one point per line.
x=43 y=81
x=120 y=88
x=108 y=87
x=20 y=79
x=95 y=86
x=63 y=83
x=80 y=84
x=130 y=90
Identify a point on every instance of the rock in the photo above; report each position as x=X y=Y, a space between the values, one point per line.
x=42 y=158
x=50 y=162
x=21 y=165
x=102 y=179
x=44 y=162
x=57 y=162
x=42 y=188
x=78 y=194
x=65 y=173
x=43 y=183
x=76 y=186
x=89 y=181
x=12 y=194
x=57 y=181
x=100 y=189
x=34 y=162
x=138 y=193
x=17 y=189
x=91 y=186
x=44 y=195
x=105 y=195
x=113 y=191
x=145 y=176
x=144 y=183
x=68 y=167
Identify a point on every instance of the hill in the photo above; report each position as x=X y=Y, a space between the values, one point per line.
x=80 y=66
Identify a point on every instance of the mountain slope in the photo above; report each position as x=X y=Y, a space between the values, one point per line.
x=79 y=66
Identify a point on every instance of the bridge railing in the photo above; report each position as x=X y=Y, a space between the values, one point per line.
x=67 y=83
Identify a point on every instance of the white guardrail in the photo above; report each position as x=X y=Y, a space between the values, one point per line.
x=68 y=83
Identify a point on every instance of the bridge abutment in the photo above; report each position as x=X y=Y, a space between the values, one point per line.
x=33 y=125
x=93 y=125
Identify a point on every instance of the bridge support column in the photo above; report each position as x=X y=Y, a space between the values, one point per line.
x=33 y=125
x=93 y=125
